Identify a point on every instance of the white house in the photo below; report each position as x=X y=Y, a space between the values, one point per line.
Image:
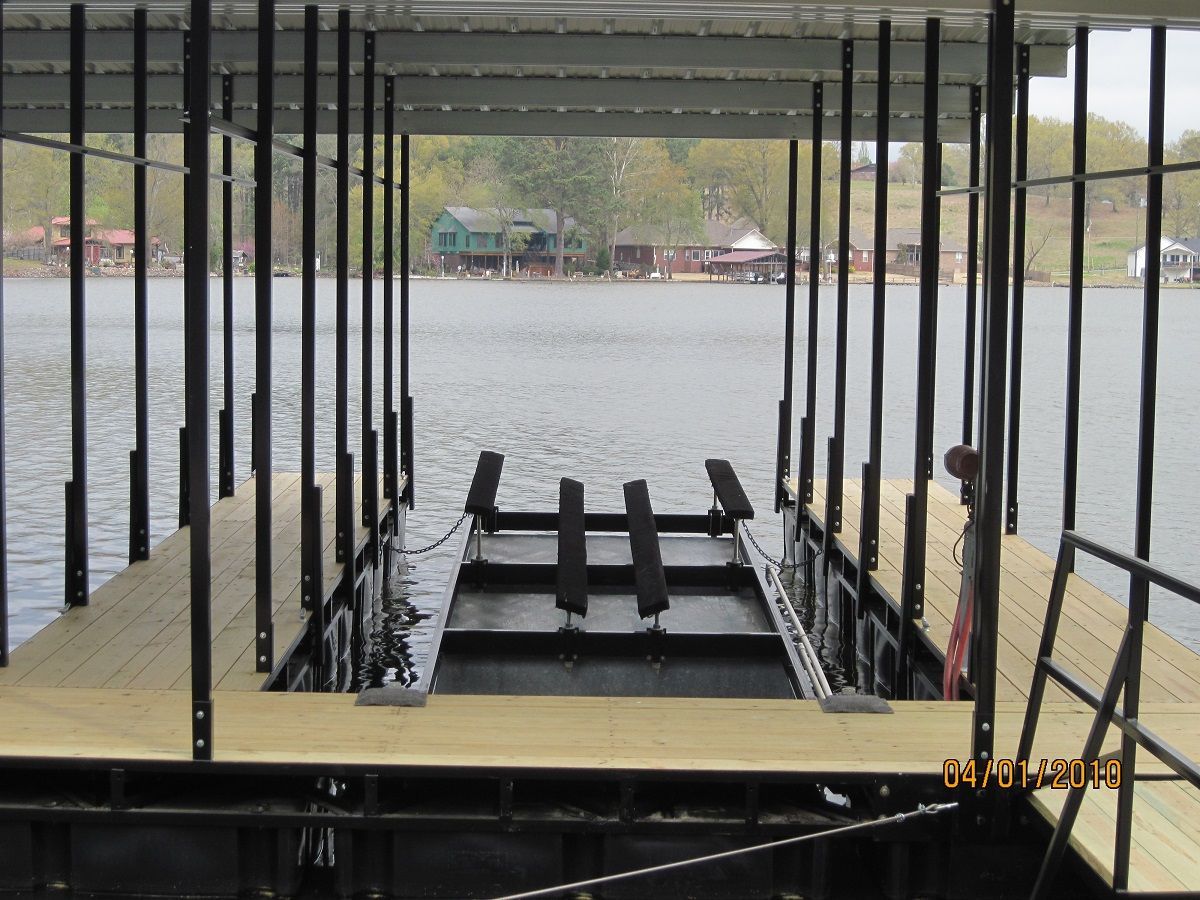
x=1180 y=260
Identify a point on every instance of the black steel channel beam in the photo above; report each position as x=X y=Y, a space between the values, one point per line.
x=808 y=427
x=264 y=642
x=139 y=458
x=1075 y=290
x=1139 y=587
x=406 y=400
x=869 y=531
x=992 y=382
x=912 y=592
x=77 y=536
x=1017 y=339
x=196 y=362
x=837 y=443
x=345 y=461
x=225 y=470
x=370 y=479
x=783 y=446
x=391 y=466
x=970 y=327
x=310 y=551
x=3 y=485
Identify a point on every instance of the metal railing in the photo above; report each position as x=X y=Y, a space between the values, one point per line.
x=1126 y=674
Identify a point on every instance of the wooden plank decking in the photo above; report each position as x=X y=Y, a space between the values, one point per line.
x=1166 y=851
x=135 y=631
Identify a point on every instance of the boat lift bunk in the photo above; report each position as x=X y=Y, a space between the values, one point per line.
x=633 y=604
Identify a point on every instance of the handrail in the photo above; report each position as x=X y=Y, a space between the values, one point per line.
x=1125 y=675
x=808 y=656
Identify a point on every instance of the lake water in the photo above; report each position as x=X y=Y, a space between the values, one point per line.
x=604 y=383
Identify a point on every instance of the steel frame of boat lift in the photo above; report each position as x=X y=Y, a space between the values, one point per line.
x=997 y=382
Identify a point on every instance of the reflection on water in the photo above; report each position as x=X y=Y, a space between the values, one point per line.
x=604 y=383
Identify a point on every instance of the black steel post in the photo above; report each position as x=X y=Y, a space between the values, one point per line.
x=344 y=512
x=406 y=400
x=808 y=424
x=187 y=80
x=912 y=593
x=869 y=529
x=310 y=551
x=139 y=462
x=370 y=477
x=990 y=501
x=1139 y=588
x=783 y=448
x=196 y=363
x=3 y=486
x=225 y=470
x=77 y=537
x=264 y=654
x=391 y=465
x=1017 y=340
x=1075 y=294
x=837 y=444
x=971 y=312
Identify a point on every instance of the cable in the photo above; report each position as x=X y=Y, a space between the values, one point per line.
x=439 y=541
x=921 y=810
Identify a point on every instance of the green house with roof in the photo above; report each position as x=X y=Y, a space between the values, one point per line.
x=473 y=239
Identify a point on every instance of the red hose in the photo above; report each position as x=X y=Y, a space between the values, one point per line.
x=960 y=633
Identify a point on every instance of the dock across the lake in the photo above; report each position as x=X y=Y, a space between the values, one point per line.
x=1166 y=848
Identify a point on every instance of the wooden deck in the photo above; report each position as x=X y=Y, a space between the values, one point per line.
x=135 y=631
x=1166 y=851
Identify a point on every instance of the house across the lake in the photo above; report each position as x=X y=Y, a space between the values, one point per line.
x=901 y=255
x=473 y=240
x=647 y=249
x=1180 y=259
x=102 y=246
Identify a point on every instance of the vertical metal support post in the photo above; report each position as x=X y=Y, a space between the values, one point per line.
x=1017 y=340
x=1139 y=588
x=312 y=595
x=837 y=443
x=196 y=361
x=344 y=513
x=971 y=312
x=139 y=457
x=990 y=502
x=912 y=591
x=187 y=80
x=808 y=424
x=370 y=477
x=225 y=479
x=783 y=447
x=1075 y=294
x=3 y=484
x=264 y=643
x=869 y=530
x=406 y=400
x=391 y=464
x=77 y=535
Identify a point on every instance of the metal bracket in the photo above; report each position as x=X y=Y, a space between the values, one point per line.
x=202 y=744
x=506 y=800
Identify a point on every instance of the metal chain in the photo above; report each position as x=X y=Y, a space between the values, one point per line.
x=775 y=562
x=439 y=541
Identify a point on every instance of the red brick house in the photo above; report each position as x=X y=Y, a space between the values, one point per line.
x=640 y=248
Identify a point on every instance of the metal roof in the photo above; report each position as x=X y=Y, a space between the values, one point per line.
x=659 y=67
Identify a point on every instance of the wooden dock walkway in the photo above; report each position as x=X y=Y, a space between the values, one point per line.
x=1166 y=851
x=134 y=633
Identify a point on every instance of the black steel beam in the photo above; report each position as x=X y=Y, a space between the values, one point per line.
x=1075 y=290
x=837 y=445
x=139 y=458
x=970 y=328
x=77 y=536
x=992 y=381
x=370 y=479
x=1017 y=340
x=1139 y=587
x=3 y=486
x=804 y=488
x=391 y=464
x=196 y=363
x=310 y=512
x=344 y=464
x=225 y=452
x=912 y=593
x=406 y=413
x=264 y=654
x=783 y=446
